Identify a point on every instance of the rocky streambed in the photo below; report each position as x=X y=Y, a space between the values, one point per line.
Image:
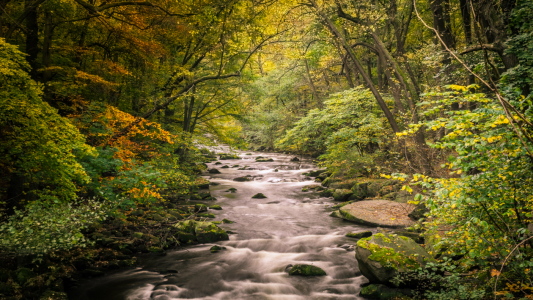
x=279 y=232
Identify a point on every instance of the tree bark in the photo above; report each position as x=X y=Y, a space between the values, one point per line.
x=47 y=43
x=32 y=37
x=366 y=78
x=311 y=84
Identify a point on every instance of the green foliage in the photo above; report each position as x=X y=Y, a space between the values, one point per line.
x=36 y=144
x=429 y=283
x=349 y=130
x=44 y=228
x=517 y=81
x=486 y=205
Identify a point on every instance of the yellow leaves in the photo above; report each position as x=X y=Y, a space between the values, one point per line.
x=458 y=87
x=95 y=79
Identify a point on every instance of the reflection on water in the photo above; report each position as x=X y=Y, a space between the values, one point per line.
x=287 y=227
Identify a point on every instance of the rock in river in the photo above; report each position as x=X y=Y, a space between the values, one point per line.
x=378 y=213
x=243 y=178
x=214 y=171
x=306 y=270
x=383 y=256
x=204 y=232
x=259 y=196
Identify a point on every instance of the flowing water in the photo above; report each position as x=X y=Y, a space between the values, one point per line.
x=287 y=227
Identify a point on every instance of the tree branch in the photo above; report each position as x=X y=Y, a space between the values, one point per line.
x=489 y=47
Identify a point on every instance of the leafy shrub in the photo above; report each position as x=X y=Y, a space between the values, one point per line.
x=43 y=228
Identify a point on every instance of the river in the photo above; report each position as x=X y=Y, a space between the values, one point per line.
x=287 y=227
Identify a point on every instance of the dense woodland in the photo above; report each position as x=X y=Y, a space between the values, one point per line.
x=104 y=106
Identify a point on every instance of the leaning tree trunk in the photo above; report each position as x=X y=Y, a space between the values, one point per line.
x=366 y=78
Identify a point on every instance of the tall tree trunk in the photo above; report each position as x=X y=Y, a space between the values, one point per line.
x=47 y=43
x=366 y=78
x=32 y=37
x=441 y=21
x=311 y=84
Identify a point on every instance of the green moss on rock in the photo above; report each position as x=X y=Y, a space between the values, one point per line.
x=306 y=270
x=359 y=235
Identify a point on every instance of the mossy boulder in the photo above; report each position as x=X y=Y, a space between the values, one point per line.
x=206 y=215
x=218 y=163
x=306 y=270
x=229 y=156
x=383 y=292
x=415 y=236
x=207 y=232
x=360 y=190
x=359 y=235
x=323 y=175
x=226 y=221
x=383 y=256
x=373 y=189
x=186 y=226
x=185 y=237
x=232 y=190
x=195 y=197
x=216 y=249
x=215 y=207
x=225 y=167
x=204 y=185
x=259 y=196
x=336 y=214
x=315 y=173
x=199 y=207
x=203 y=232
x=295 y=159
x=243 y=178
x=326 y=181
x=155 y=249
x=213 y=171
x=204 y=195
x=326 y=193
x=264 y=159
x=341 y=194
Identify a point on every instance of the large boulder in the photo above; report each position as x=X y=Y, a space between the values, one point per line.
x=378 y=213
x=208 y=232
x=341 y=194
x=383 y=256
x=203 y=232
x=224 y=156
x=315 y=173
x=360 y=190
x=323 y=175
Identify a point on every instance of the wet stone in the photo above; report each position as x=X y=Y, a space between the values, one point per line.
x=259 y=196
x=306 y=270
x=359 y=235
